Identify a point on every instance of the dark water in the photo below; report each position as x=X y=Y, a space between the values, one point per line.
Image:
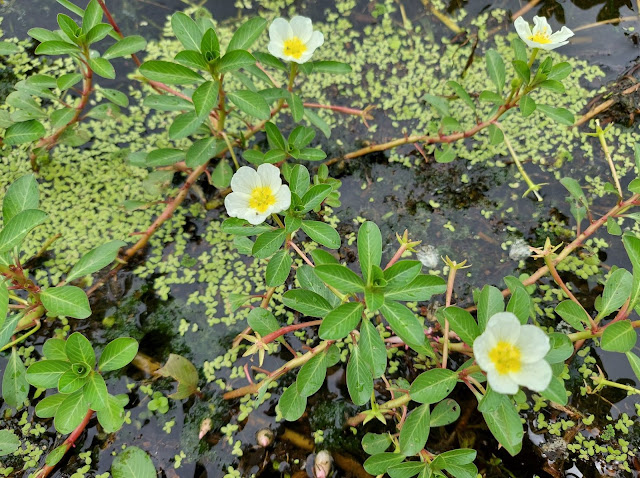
x=141 y=314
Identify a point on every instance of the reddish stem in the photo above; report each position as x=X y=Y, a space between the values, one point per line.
x=68 y=443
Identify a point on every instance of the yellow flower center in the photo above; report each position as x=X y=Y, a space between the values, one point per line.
x=541 y=37
x=294 y=47
x=261 y=198
x=505 y=357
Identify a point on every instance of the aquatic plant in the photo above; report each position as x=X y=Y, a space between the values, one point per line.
x=222 y=98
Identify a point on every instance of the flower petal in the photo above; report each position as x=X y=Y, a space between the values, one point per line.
x=269 y=176
x=540 y=24
x=551 y=46
x=523 y=29
x=254 y=217
x=283 y=199
x=280 y=30
x=302 y=28
x=277 y=49
x=533 y=343
x=482 y=345
x=236 y=204
x=245 y=180
x=502 y=383
x=316 y=40
x=562 y=35
x=535 y=376
x=504 y=326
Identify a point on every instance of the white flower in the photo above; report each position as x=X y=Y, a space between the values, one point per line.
x=513 y=355
x=294 y=40
x=541 y=36
x=257 y=194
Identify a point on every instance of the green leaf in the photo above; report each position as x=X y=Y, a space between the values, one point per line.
x=115 y=97
x=67 y=81
x=462 y=456
x=522 y=70
x=56 y=47
x=318 y=122
x=4 y=303
x=572 y=314
x=127 y=46
x=98 y=32
x=262 y=321
x=268 y=243
x=520 y=305
x=15 y=387
x=433 y=385
x=519 y=49
x=118 y=353
x=634 y=361
x=21 y=195
x=247 y=34
x=297 y=108
x=205 y=98
x=192 y=59
x=54 y=349
x=95 y=392
x=184 y=125
x=133 y=462
x=278 y=268
x=311 y=376
x=43 y=35
x=299 y=180
x=340 y=321
x=496 y=136
x=439 y=103
x=314 y=197
x=24 y=132
x=164 y=157
x=495 y=69
x=210 y=45
x=17 y=228
x=79 y=350
x=203 y=150
x=181 y=369
x=292 y=405
x=111 y=417
x=490 y=303
x=95 y=259
x=415 y=431
x=222 y=174
x=48 y=406
x=404 y=323
x=561 y=348
x=7 y=48
x=103 y=68
x=445 y=413
x=374 y=443
x=490 y=97
x=381 y=462
x=307 y=302
x=503 y=421
x=617 y=290
x=170 y=73
x=331 y=67
x=309 y=280
x=68 y=301
x=92 y=16
x=312 y=154
x=552 y=85
x=373 y=349
x=70 y=382
x=250 y=103
x=8 y=328
x=559 y=115
x=47 y=373
x=463 y=324
x=369 y=249
x=619 y=337
x=559 y=71
x=240 y=227
x=462 y=94
x=359 y=378
x=54 y=457
x=527 y=105
x=402 y=273
x=322 y=233
x=9 y=442
x=186 y=30
x=409 y=469
x=340 y=277
x=234 y=60
x=419 y=289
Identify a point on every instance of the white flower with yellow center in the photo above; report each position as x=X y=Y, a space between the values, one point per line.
x=257 y=194
x=541 y=36
x=295 y=40
x=513 y=354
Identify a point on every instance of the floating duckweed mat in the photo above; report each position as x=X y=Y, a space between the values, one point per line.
x=84 y=191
